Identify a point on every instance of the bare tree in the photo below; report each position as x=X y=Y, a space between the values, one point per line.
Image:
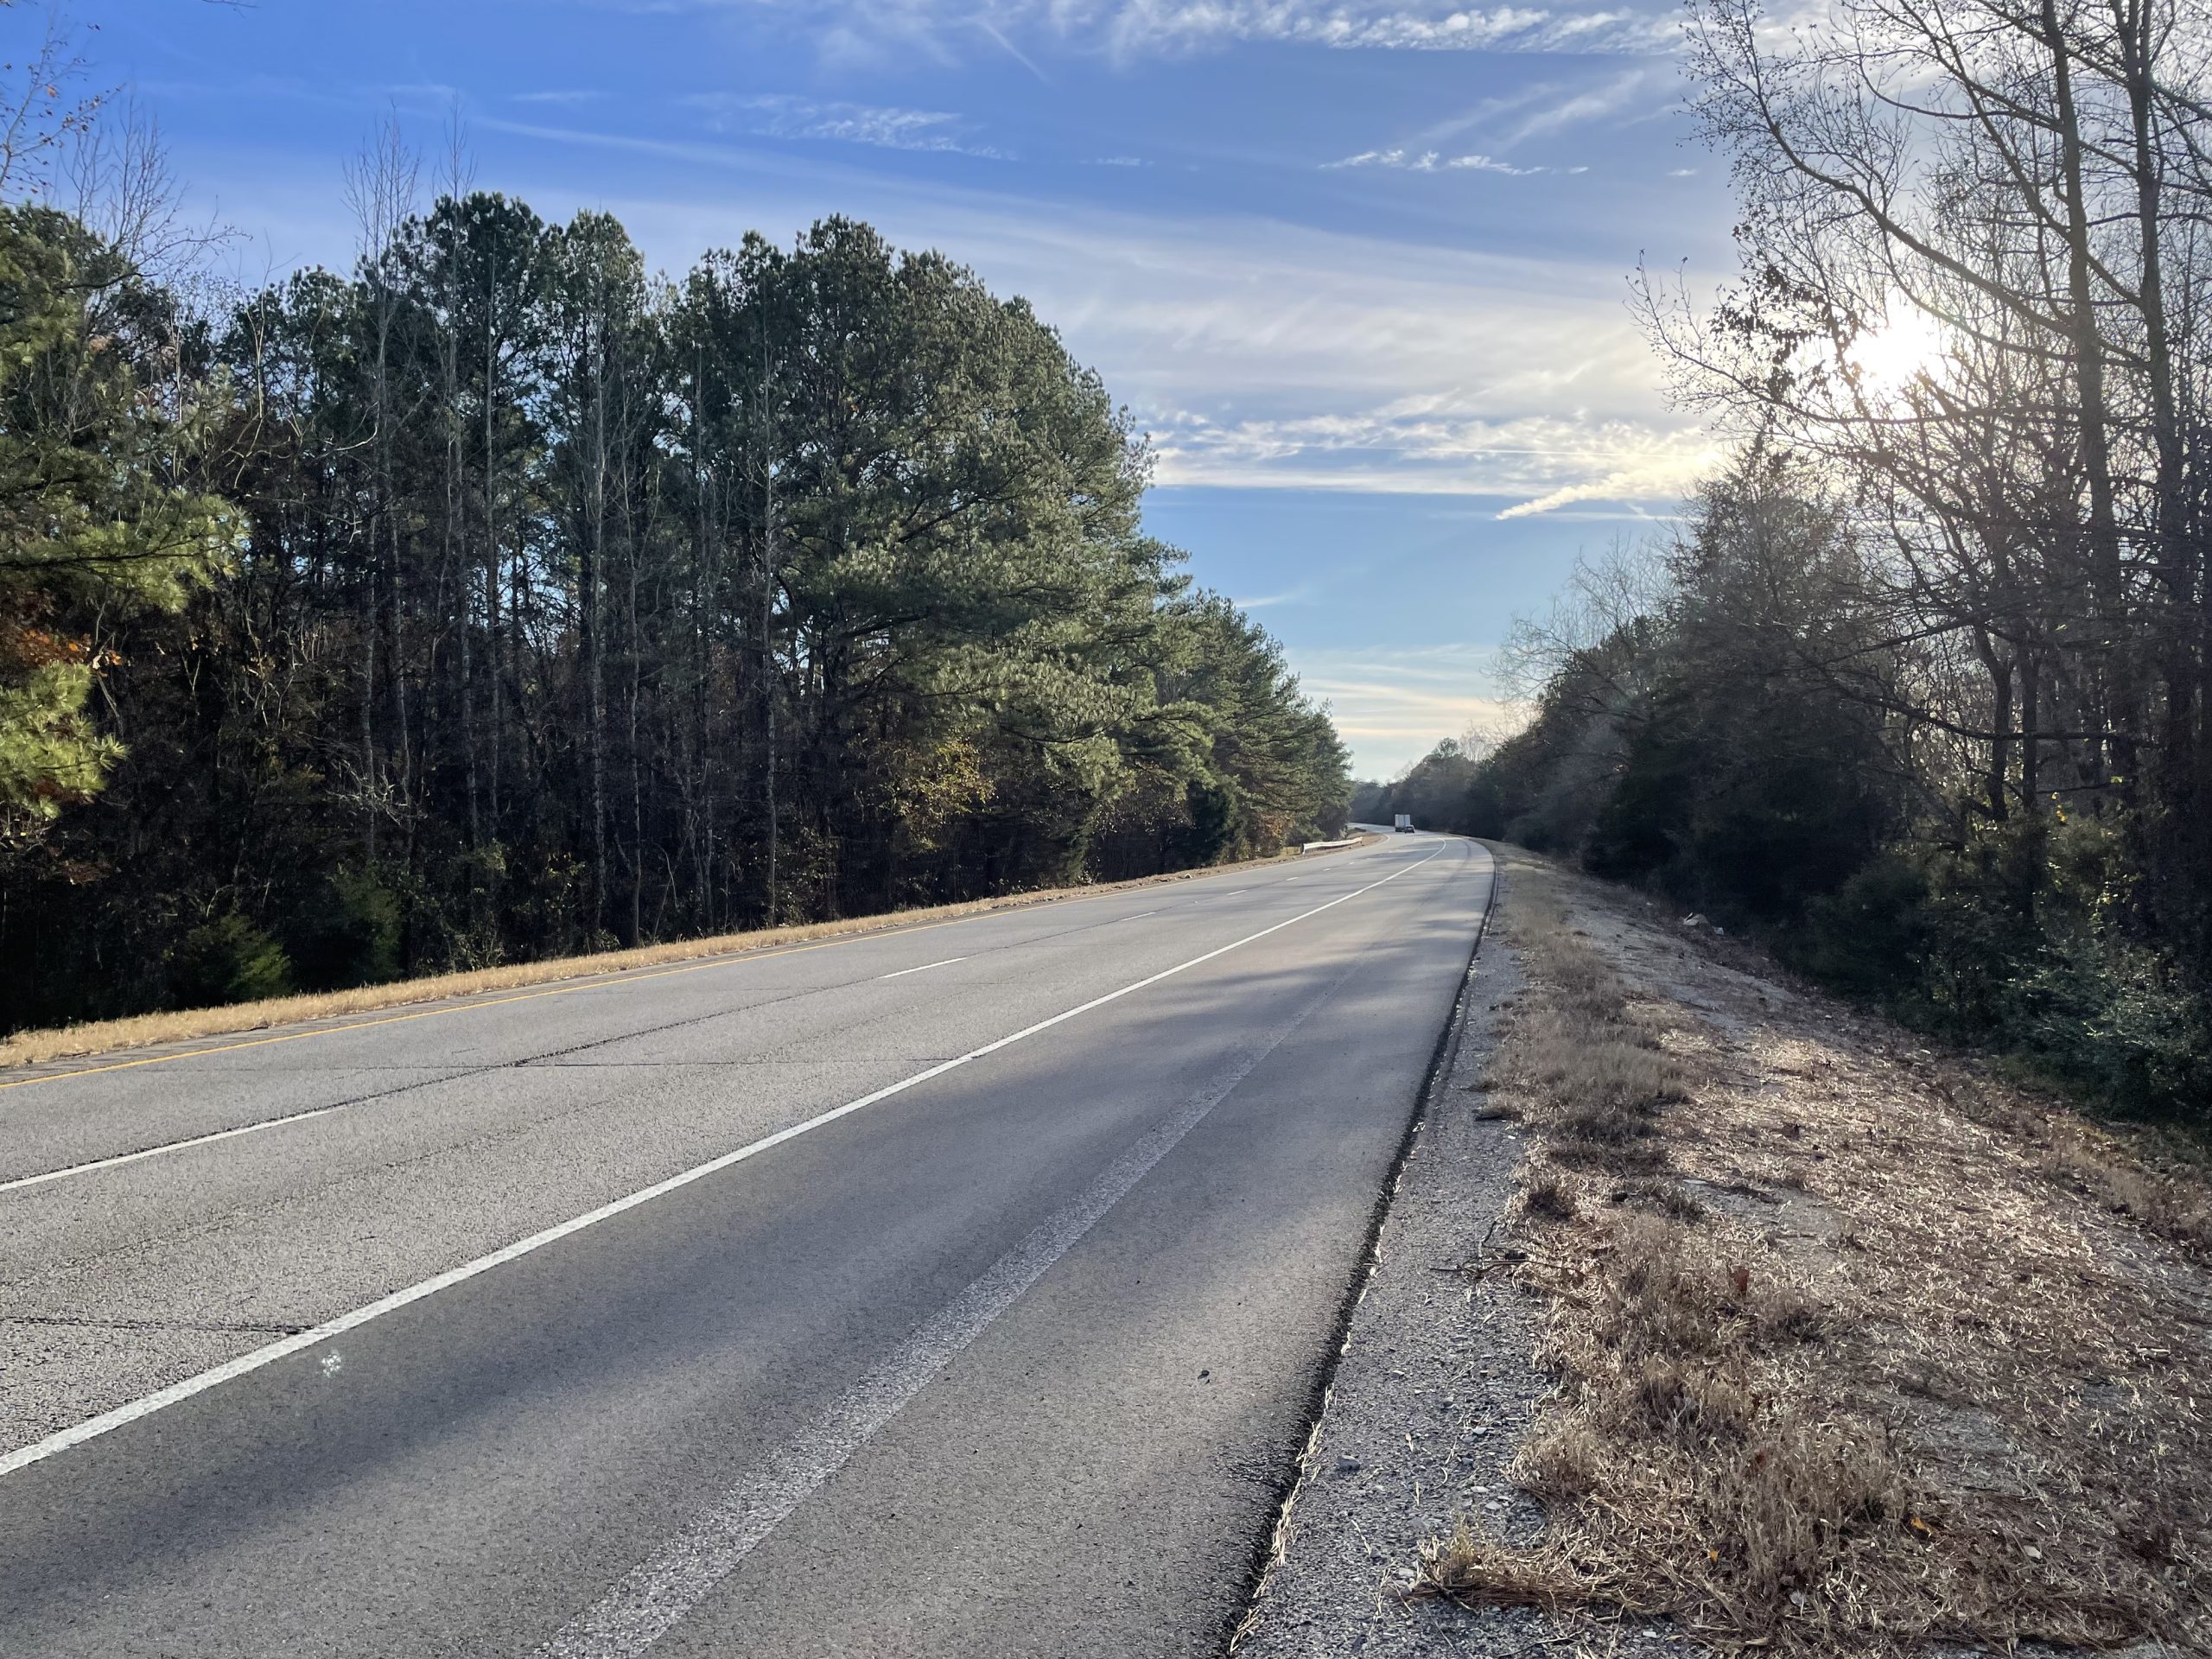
x=381 y=185
x=2021 y=187
x=42 y=109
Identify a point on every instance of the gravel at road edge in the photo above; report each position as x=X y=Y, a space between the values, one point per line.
x=1433 y=1392
x=1431 y=1395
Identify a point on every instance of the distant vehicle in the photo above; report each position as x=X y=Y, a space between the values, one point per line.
x=1405 y=823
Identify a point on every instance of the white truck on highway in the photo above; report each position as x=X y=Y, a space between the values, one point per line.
x=1405 y=825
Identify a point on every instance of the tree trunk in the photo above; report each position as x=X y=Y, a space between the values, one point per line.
x=2107 y=570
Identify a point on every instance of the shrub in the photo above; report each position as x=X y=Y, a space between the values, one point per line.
x=226 y=959
x=348 y=935
x=1871 y=935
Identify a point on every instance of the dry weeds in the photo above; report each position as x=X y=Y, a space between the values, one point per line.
x=1858 y=1349
x=183 y=1024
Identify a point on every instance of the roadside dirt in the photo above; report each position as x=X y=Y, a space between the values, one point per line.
x=1713 y=1315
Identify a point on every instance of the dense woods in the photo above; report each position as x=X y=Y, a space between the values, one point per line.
x=1923 y=685
x=501 y=600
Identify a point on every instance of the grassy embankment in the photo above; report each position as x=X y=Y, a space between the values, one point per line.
x=1856 y=1347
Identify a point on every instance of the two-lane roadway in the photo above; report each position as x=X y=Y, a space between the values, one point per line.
x=952 y=1290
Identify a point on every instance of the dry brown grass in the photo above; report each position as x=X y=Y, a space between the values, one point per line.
x=2115 y=1166
x=1856 y=1349
x=184 y=1025
x=1548 y=1198
x=1595 y=1074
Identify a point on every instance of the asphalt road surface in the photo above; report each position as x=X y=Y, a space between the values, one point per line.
x=957 y=1290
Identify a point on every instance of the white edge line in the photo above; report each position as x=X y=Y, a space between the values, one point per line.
x=924 y=969
x=285 y=1347
x=22 y=1182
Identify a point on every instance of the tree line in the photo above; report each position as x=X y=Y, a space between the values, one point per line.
x=1922 y=688
x=499 y=599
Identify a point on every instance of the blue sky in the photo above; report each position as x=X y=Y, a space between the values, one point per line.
x=1358 y=266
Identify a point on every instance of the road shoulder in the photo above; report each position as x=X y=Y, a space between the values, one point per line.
x=1805 y=1298
x=1432 y=1393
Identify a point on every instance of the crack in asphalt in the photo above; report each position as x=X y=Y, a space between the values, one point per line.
x=226 y=1327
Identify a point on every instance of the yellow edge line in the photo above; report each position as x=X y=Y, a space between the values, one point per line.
x=592 y=983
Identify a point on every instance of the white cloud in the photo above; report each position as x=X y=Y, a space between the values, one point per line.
x=1412 y=160
x=1258 y=354
x=560 y=95
x=784 y=115
x=1432 y=163
x=1487 y=110
x=1492 y=164
x=1540 y=110
x=883 y=29
x=1393 y=705
x=1428 y=161
x=1148 y=27
x=1008 y=46
x=1298 y=595
x=1433 y=448
x=1635 y=89
x=1664 y=470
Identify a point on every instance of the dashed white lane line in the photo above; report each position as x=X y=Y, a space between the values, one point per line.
x=924 y=969
x=96 y=1164
x=476 y=1002
x=284 y=1348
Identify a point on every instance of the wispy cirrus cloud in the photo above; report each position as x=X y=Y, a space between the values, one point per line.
x=1299 y=596
x=946 y=30
x=1349 y=25
x=1541 y=110
x=1391 y=705
x=1430 y=161
x=1636 y=93
x=1443 y=446
x=786 y=115
x=1661 y=472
